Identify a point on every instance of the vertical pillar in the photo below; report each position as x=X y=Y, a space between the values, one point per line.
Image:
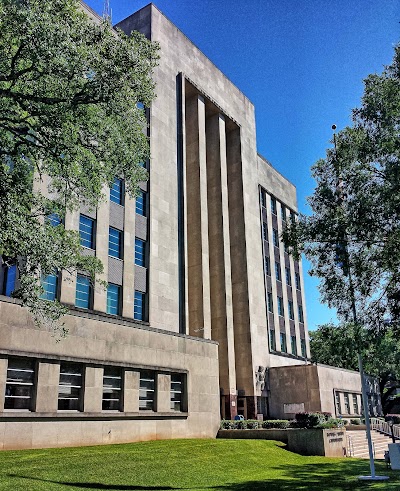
x=68 y=280
x=47 y=387
x=128 y=282
x=93 y=395
x=3 y=381
x=197 y=220
x=131 y=391
x=163 y=393
x=102 y=234
x=220 y=259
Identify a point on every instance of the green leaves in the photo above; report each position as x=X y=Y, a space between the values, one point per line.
x=69 y=123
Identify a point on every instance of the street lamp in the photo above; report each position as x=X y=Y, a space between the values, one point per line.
x=347 y=271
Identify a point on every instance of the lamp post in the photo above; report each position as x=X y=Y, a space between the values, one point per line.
x=347 y=272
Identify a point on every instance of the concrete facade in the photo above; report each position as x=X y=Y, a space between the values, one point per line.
x=203 y=300
x=320 y=388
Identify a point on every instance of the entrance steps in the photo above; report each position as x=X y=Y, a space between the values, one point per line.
x=357 y=444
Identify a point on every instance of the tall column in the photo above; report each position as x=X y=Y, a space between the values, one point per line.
x=48 y=378
x=128 y=282
x=102 y=234
x=199 y=308
x=68 y=280
x=220 y=259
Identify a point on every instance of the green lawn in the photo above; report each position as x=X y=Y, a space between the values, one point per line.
x=236 y=465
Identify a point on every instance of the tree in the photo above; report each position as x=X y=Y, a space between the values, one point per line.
x=352 y=237
x=338 y=346
x=72 y=94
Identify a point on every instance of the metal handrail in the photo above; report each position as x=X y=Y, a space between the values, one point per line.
x=385 y=428
x=350 y=446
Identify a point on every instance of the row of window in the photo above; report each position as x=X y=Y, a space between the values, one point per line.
x=115 y=241
x=275 y=236
x=354 y=408
x=84 y=295
x=281 y=310
x=293 y=343
x=274 y=207
x=278 y=275
x=21 y=381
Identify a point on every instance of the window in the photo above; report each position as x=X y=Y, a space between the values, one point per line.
x=301 y=316
x=138 y=306
x=112 y=385
x=140 y=258
x=113 y=299
x=19 y=385
x=115 y=243
x=355 y=404
x=288 y=278
x=70 y=387
x=346 y=403
x=117 y=191
x=83 y=294
x=53 y=219
x=265 y=231
x=49 y=285
x=267 y=263
x=280 y=306
x=297 y=279
x=146 y=390
x=283 y=343
x=263 y=198
x=270 y=302
x=293 y=342
x=10 y=276
x=275 y=237
x=291 y=310
x=141 y=203
x=272 y=340
x=303 y=348
x=176 y=391
x=283 y=213
x=273 y=205
x=86 y=231
x=337 y=404
x=278 y=271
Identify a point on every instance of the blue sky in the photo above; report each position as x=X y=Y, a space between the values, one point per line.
x=300 y=62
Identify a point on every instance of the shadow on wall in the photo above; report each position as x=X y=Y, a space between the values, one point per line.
x=325 y=476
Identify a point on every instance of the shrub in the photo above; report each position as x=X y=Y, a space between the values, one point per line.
x=310 y=420
x=252 y=424
x=393 y=417
x=355 y=421
x=276 y=423
x=227 y=424
x=240 y=424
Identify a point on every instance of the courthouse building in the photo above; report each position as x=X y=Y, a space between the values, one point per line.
x=202 y=301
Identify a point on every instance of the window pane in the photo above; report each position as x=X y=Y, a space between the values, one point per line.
x=267 y=266
x=115 y=243
x=288 y=278
x=291 y=310
x=10 y=273
x=53 y=219
x=146 y=390
x=278 y=271
x=280 y=306
x=294 y=345
x=176 y=391
x=141 y=204
x=70 y=387
x=86 y=231
x=113 y=299
x=272 y=342
x=139 y=252
x=273 y=205
x=49 y=285
x=19 y=384
x=275 y=237
x=138 y=309
x=303 y=348
x=283 y=342
x=297 y=278
x=83 y=292
x=116 y=192
x=301 y=317
x=112 y=389
x=265 y=231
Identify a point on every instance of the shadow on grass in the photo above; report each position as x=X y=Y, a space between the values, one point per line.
x=324 y=476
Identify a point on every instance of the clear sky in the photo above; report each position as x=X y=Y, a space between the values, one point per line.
x=300 y=62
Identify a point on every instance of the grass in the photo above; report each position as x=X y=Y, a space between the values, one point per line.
x=221 y=465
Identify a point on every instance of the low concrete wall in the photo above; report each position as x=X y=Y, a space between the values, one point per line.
x=261 y=434
x=328 y=443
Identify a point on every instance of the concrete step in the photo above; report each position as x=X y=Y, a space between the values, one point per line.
x=359 y=445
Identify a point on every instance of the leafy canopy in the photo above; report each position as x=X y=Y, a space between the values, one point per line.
x=71 y=119
x=352 y=237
